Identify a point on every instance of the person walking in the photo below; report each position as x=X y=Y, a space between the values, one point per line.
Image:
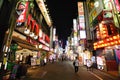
x=76 y=64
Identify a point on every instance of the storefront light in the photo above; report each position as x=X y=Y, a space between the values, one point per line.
x=26 y=31
x=35 y=37
x=116 y=42
x=95 y=44
x=98 y=46
x=119 y=41
x=101 y=41
x=94 y=47
x=116 y=46
x=118 y=36
x=36 y=46
x=111 y=38
x=5 y=54
x=108 y=39
x=40 y=46
x=112 y=43
x=105 y=44
x=96 y=4
x=104 y=32
x=31 y=34
x=114 y=37
x=108 y=44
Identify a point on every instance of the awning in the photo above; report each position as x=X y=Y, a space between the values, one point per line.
x=17 y=39
x=24 y=43
x=27 y=46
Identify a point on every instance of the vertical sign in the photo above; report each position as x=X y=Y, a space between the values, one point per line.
x=54 y=33
x=75 y=31
x=81 y=20
x=21 y=9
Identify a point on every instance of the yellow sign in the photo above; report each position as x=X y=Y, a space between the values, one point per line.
x=4 y=60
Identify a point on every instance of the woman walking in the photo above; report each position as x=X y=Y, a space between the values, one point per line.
x=76 y=64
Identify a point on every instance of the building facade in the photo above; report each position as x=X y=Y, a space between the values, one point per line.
x=24 y=27
x=104 y=25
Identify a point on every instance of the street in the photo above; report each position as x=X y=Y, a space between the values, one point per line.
x=65 y=71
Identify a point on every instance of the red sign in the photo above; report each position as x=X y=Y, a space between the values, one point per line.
x=22 y=9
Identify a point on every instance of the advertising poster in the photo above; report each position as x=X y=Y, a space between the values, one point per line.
x=33 y=61
x=38 y=61
x=99 y=62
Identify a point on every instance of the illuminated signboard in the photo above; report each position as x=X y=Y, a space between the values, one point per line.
x=82 y=34
x=81 y=16
x=21 y=9
x=80 y=8
x=117 y=2
x=81 y=21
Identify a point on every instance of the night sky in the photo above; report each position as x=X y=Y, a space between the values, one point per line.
x=62 y=13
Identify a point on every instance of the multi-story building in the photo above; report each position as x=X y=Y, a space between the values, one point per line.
x=104 y=23
x=25 y=24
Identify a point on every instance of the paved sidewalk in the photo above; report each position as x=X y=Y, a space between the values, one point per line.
x=114 y=73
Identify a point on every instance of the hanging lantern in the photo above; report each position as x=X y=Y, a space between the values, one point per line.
x=32 y=27
x=36 y=31
x=27 y=30
x=47 y=38
x=28 y=20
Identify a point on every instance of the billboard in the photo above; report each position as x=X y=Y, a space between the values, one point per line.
x=82 y=34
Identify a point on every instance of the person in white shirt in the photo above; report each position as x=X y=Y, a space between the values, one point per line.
x=76 y=64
